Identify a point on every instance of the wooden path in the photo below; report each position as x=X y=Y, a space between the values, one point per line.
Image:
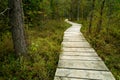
x=79 y=61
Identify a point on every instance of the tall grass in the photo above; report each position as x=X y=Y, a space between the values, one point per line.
x=44 y=47
x=107 y=45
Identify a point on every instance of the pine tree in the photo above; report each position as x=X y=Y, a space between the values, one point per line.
x=16 y=22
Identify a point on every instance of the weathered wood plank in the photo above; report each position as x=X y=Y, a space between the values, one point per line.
x=80 y=57
x=84 y=74
x=85 y=65
x=66 y=78
x=74 y=39
x=89 y=54
x=72 y=34
x=78 y=49
x=76 y=44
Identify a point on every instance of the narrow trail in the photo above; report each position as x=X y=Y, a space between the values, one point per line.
x=78 y=60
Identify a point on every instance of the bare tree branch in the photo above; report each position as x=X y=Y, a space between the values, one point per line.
x=2 y=13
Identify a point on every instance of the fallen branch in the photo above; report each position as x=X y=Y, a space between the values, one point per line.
x=2 y=13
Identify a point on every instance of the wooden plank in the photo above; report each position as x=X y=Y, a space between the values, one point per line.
x=66 y=78
x=73 y=33
x=73 y=39
x=74 y=28
x=85 y=65
x=76 y=44
x=79 y=57
x=84 y=74
x=89 y=54
x=78 y=49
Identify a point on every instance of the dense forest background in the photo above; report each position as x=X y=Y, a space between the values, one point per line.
x=44 y=26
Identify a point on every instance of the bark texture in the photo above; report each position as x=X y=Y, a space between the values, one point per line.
x=16 y=22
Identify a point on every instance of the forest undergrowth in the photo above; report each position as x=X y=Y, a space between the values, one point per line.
x=107 y=45
x=44 y=47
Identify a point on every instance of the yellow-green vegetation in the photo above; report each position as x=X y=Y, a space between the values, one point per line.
x=44 y=47
x=107 y=45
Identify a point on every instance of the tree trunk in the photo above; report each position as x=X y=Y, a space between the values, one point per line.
x=91 y=16
x=72 y=10
x=100 y=20
x=16 y=22
x=78 y=10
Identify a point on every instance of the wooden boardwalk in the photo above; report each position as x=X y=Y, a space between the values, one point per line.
x=78 y=60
